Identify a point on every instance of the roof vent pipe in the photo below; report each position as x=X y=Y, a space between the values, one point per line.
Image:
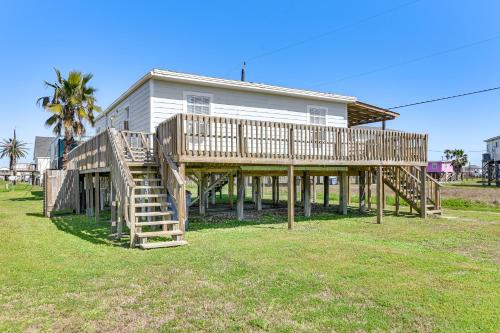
x=243 y=68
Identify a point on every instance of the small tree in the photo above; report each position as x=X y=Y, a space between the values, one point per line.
x=14 y=149
x=458 y=159
x=72 y=104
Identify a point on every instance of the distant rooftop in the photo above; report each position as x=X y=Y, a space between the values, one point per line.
x=493 y=138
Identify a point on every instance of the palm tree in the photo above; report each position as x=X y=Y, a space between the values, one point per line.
x=72 y=104
x=14 y=149
x=458 y=158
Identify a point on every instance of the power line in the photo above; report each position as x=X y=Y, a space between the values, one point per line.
x=329 y=32
x=409 y=61
x=444 y=98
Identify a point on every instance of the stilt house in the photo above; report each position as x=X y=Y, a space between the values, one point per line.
x=172 y=127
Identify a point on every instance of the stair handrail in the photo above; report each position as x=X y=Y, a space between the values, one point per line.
x=127 y=145
x=123 y=182
x=173 y=181
x=212 y=186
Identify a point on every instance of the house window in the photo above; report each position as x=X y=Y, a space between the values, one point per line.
x=126 y=110
x=198 y=104
x=434 y=166
x=317 y=115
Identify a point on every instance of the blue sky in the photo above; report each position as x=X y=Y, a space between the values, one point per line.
x=119 y=41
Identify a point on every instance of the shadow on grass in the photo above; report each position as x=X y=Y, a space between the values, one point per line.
x=35 y=195
x=87 y=228
x=278 y=217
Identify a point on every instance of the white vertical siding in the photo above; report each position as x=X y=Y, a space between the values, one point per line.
x=167 y=99
x=493 y=148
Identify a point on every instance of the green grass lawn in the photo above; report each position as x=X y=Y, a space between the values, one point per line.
x=330 y=274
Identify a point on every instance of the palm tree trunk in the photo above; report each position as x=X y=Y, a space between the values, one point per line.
x=68 y=142
x=12 y=166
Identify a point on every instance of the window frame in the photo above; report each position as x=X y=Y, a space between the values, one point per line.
x=185 y=94
x=324 y=108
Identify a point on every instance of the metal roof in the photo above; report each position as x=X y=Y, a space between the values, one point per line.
x=493 y=138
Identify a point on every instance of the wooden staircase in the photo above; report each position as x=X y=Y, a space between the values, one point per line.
x=154 y=226
x=406 y=182
x=151 y=224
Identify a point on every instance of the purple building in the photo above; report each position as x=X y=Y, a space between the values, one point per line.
x=440 y=170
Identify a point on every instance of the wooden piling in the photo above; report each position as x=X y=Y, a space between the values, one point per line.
x=258 y=193
x=362 y=193
x=240 y=194
x=326 y=191
x=380 y=209
x=307 y=194
x=230 y=190
x=291 y=197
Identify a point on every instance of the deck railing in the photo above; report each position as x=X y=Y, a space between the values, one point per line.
x=91 y=154
x=196 y=138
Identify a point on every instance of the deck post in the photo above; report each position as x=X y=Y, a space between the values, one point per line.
x=343 y=193
x=202 y=196
x=119 y=220
x=182 y=204
x=113 y=207
x=277 y=190
x=383 y=195
x=92 y=196
x=97 y=195
x=302 y=189
x=296 y=190
x=230 y=190
x=423 y=192
x=369 y=188
x=362 y=193
x=380 y=209
x=307 y=194
x=258 y=193
x=326 y=191
x=254 y=189
x=313 y=189
x=291 y=197
x=240 y=194
x=213 y=194
x=396 y=193
x=274 y=190
x=348 y=184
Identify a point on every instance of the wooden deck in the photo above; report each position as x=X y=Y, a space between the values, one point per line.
x=145 y=168
x=206 y=139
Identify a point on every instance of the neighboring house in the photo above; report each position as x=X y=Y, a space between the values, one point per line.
x=25 y=171
x=472 y=171
x=4 y=173
x=491 y=161
x=41 y=156
x=440 y=170
x=57 y=150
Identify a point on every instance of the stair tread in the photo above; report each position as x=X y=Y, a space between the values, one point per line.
x=159 y=195
x=150 y=204
x=157 y=245
x=138 y=163
x=148 y=186
x=145 y=224
x=162 y=233
x=143 y=171
x=147 y=179
x=153 y=214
